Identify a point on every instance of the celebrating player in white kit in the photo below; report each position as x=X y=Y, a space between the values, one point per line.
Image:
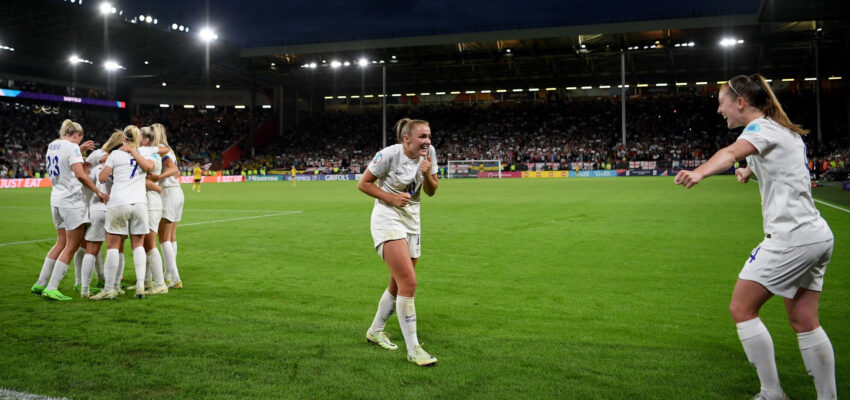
x=96 y=232
x=70 y=213
x=172 y=208
x=402 y=171
x=127 y=210
x=791 y=260
x=154 y=213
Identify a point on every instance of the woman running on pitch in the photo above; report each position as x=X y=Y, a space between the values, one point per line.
x=402 y=171
x=792 y=258
x=70 y=212
x=127 y=210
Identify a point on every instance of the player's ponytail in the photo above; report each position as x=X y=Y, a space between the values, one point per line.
x=758 y=94
x=114 y=141
x=147 y=133
x=158 y=135
x=404 y=126
x=131 y=133
x=69 y=128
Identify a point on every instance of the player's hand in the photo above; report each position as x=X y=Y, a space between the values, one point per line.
x=153 y=177
x=687 y=178
x=88 y=145
x=104 y=197
x=425 y=166
x=400 y=200
x=743 y=174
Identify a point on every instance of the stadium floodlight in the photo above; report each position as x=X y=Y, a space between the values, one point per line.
x=148 y=19
x=443 y=93
x=396 y=94
x=340 y=97
x=354 y=96
x=587 y=87
x=533 y=89
x=267 y=106
x=768 y=80
x=721 y=82
x=209 y=106
x=74 y=59
x=369 y=96
x=517 y=90
x=335 y=64
x=329 y=97
x=164 y=84
x=207 y=35
x=621 y=86
x=313 y=65
x=410 y=94
x=105 y=8
x=501 y=90
x=164 y=106
x=346 y=64
x=550 y=89
x=642 y=85
x=571 y=88
x=728 y=42
x=486 y=91
x=218 y=86
x=181 y=28
x=421 y=94
x=142 y=18
x=363 y=62
x=470 y=92
x=174 y=26
x=662 y=84
x=155 y=21
x=700 y=83
x=788 y=80
x=605 y=86
x=834 y=78
x=188 y=106
x=681 y=83
x=111 y=65
x=239 y=107
x=811 y=79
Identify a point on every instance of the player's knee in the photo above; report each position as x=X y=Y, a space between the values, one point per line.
x=741 y=313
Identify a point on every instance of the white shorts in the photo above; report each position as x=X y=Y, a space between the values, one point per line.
x=127 y=219
x=783 y=271
x=96 y=232
x=153 y=219
x=413 y=241
x=172 y=204
x=70 y=218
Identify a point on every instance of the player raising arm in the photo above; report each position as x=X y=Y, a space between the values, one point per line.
x=402 y=171
x=792 y=258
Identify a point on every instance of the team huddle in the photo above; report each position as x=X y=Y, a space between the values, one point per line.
x=127 y=188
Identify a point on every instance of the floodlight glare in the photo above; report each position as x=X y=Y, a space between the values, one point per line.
x=335 y=64
x=181 y=28
x=142 y=17
x=208 y=35
x=174 y=26
x=727 y=42
x=105 y=8
x=346 y=63
x=74 y=59
x=363 y=62
x=313 y=65
x=111 y=65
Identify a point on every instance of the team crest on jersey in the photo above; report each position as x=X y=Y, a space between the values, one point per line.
x=378 y=158
x=754 y=127
x=77 y=152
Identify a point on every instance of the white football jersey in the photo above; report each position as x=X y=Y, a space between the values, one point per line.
x=789 y=213
x=67 y=190
x=171 y=181
x=128 y=180
x=397 y=173
x=149 y=152
x=93 y=160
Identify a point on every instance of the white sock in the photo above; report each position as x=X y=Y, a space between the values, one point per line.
x=174 y=245
x=407 y=319
x=820 y=361
x=139 y=262
x=78 y=265
x=170 y=259
x=385 y=308
x=147 y=269
x=46 y=271
x=110 y=268
x=119 y=274
x=759 y=349
x=59 y=270
x=155 y=266
x=87 y=267
x=98 y=266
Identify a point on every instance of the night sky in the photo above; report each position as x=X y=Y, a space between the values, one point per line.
x=264 y=22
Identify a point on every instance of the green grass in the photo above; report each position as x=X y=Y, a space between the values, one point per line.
x=611 y=288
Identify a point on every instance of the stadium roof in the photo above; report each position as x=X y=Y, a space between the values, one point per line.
x=780 y=41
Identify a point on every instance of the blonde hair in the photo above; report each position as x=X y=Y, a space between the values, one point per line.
x=131 y=133
x=758 y=94
x=405 y=125
x=69 y=128
x=158 y=135
x=113 y=142
x=147 y=133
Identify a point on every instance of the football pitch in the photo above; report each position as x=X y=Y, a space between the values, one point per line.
x=597 y=288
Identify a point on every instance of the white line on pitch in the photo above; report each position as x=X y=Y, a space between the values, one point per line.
x=833 y=206
x=16 y=395
x=185 y=210
x=179 y=225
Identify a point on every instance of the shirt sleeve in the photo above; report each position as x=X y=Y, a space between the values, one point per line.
x=432 y=153
x=380 y=164
x=110 y=161
x=74 y=155
x=759 y=136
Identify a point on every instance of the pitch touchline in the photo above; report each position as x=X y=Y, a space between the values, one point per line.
x=833 y=206
x=193 y=210
x=180 y=225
